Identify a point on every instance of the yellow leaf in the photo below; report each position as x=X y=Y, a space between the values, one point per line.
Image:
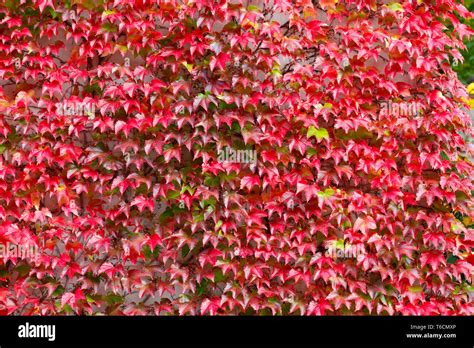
x=123 y=48
x=395 y=7
x=466 y=221
x=415 y=289
x=309 y=11
x=108 y=13
x=328 y=4
x=318 y=133
x=470 y=88
x=188 y=66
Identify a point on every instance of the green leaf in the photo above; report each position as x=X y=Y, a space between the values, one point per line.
x=202 y=287
x=211 y=181
x=218 y=276
x=123 y=48
x=311 y=151
x=276 y=71
x=90 y=299
x=167 y=214
x=185 y=250
x=253 y=8
x=112 y=298
x=318 y=133
x=68 y=309
x=326 y=193
x=11 y=4
x=339 y=244
x=231 y=26
x=236 y=127
x=58 y=292
x=451 y=259
x=53 y=13
x=187 y=188
x=415 y=289
x=147 y=252
x=395 y=6
x=22 y=270
x=198 y=217
x=188 y=66
x=172 y=194
x=327 y=106
x=108 y=12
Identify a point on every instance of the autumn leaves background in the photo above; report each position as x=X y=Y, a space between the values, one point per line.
x=134 y=213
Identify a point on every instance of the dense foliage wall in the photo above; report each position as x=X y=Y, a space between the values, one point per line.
x=218 y=157
x=465 y=70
